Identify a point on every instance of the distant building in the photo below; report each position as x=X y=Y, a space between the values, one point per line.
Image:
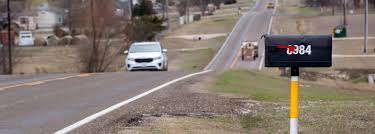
x=48 y=19
x=138 y=1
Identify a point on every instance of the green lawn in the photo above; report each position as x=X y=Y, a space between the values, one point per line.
x=262 y=87
x=197 y=60
x=322 y=109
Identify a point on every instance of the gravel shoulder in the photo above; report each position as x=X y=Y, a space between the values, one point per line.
x=181 y=102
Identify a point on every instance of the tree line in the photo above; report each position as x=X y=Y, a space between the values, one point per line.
x=336 y=3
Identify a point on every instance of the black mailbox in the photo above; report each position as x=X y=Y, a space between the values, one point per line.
x=298 y=51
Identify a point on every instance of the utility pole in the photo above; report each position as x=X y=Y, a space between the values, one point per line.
x=70 y=16
x=131 y=10
x=167 y=9
x=366 y=27
x=344 y=12
x=202 y=8
x=187 y=11
x=10 y=71
x=3 y=58
x=188 y=8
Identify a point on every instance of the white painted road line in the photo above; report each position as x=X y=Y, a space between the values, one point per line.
x=269 y=32
x=224 y=45
x=229 y=37
x=235 y=57
x=118 y=105
x=264 y=52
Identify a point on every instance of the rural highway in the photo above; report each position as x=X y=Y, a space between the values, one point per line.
x=49 y=103
x=250 y=27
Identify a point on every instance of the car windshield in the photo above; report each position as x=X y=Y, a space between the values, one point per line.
x=145 y=48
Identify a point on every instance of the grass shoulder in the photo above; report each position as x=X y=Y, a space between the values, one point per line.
x=263 y=87
x=323 y=109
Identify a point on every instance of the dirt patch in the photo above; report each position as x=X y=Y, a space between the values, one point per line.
x=354 y=75
x=353 y=79
x=188 y=125
x=219 y=113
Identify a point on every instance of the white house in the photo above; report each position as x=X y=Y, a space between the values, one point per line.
x=48 y=19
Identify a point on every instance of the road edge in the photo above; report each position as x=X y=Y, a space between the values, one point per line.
x=123 y=103
x=269 y=33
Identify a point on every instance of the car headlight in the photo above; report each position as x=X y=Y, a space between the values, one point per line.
x=131 y=59
x=157 y=58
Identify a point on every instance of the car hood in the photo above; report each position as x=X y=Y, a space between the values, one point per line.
x=144 y=55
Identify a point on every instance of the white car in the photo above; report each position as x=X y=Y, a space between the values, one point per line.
x=146 y=56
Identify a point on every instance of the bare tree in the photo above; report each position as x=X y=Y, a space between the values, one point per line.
x=202 y=4
x=104 y=29
x=182 y=7
x=217 y=3
x=357 y=3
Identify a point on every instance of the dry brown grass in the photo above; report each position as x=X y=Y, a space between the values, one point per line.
x=346 y=117
x=47 y=60
x=220 y=24
x=54 y=59
x=352 y=47
x=188 y=125
x=222 y=21
x=191 y=60
x=321 y=24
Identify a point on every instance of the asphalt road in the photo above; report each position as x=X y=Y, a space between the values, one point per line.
x=47 y=103
x=250 y=27
x=48 y=107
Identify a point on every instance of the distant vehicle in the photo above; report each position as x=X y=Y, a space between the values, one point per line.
x=146 y=56
x=226 y=2
x=271 y=6
x=26 y=38
x=249 y=50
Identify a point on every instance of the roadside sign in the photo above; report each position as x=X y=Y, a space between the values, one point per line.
x=298 y=51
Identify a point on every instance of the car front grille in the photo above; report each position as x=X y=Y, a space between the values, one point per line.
x=144 y=60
